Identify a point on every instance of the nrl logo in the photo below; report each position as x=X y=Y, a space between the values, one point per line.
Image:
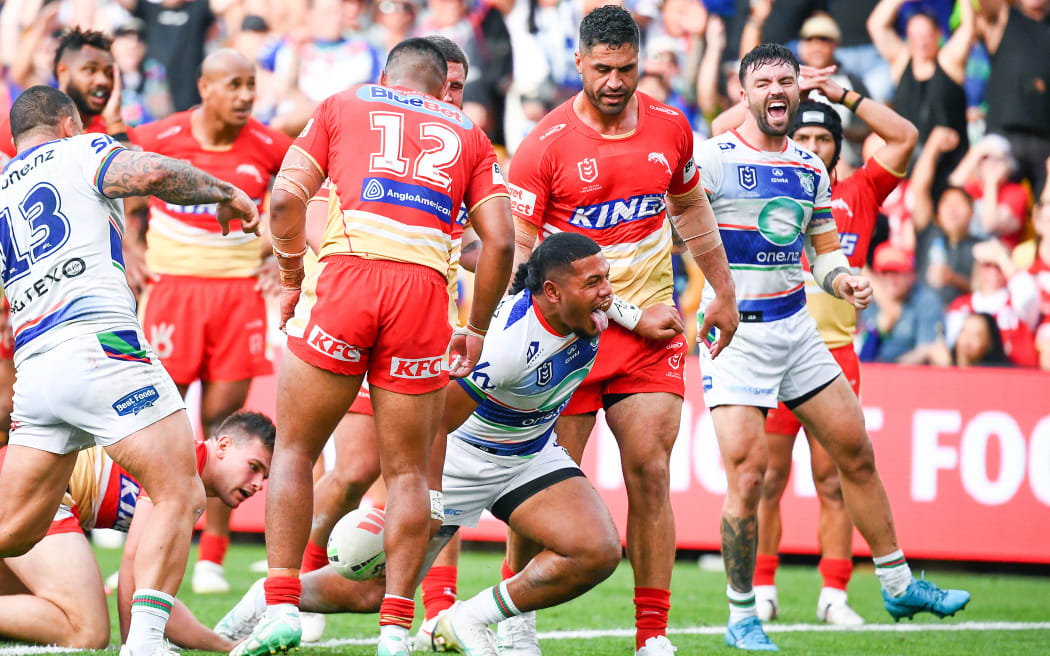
x=588 y=169
x=748 y=177
x=545 y=373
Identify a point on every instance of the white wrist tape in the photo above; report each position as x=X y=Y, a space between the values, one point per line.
x=624 y=313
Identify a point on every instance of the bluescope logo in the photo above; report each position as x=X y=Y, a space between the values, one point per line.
x=613 y=212
x=403 y=194
x=137 y=401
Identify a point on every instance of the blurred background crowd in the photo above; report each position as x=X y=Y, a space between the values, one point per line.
x=961 y=258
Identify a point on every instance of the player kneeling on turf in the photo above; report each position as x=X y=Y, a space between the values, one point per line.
x=54 y=593
x=503 y=455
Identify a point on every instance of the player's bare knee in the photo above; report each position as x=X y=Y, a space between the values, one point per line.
x=647 y=479
x=856 y=457
x=90 y=635
x=602 y=558
x=774 y=482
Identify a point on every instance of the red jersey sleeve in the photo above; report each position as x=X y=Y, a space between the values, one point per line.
x=529 y=181
x=315 y=139
x=486 y=178
x=276 y=151
x=883 y=181
x=145 y=135
x=685 y=177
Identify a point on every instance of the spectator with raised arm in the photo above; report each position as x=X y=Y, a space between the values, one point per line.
x=905 y=317
x=944 y=245
x=1002 y=205
x=1018 y=44
x=929 y=76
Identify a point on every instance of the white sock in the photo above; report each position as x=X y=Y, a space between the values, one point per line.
x=831 y=596
x=893 y=572
x=395 y=631
x=150 y=610
x=741 y=605
x=277 y=610
x=490 y=606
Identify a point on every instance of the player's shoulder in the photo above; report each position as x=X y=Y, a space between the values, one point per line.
x=796 y=153
x=556 y=126
x=170 y=127
x=725 y=145
x=663 y=115
x=264 y=135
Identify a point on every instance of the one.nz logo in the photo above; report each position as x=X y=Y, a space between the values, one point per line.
x=136 y=401
x=748 y=177
x=545 y=373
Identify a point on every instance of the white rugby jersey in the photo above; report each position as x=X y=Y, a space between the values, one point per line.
x=523 y=380
x=60 y=245
x=764 y=203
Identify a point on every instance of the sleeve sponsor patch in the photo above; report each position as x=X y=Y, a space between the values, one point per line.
x=497 y=175
x=689 y=171
x=522 y=201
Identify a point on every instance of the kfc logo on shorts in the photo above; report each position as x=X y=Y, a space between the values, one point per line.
x=339 y=350
x=419 y=368
x=588 y=169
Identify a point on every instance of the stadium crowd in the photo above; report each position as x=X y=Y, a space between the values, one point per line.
x=932 y=118
x=973 y=83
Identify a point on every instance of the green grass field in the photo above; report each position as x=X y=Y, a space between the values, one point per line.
x=600 y=623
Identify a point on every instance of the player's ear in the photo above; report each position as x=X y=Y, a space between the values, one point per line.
x=223 y=444
x=579 y=63
x=551 y=291
x=68 y=127
x=382 y=78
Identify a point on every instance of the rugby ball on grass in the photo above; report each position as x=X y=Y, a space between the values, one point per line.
x=355 y=547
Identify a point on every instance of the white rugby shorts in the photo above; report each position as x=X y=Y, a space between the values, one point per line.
x=474 y=480
x=767 y=362
x=80 y=394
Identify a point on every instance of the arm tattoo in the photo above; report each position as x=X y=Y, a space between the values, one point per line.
x=739 y=545
x=829 y=280
x=821 y=220
x=171 y=180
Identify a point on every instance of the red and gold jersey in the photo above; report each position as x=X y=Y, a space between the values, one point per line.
x=855 y=205
x=102 y=494
x=460 y=224
x=186 y=240
x=565 y=176
x=400 y=164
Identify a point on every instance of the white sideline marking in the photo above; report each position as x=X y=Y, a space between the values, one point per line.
x=910 y=627
x=770 y=628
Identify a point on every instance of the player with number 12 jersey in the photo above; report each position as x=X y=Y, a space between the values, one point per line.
x=388 y=206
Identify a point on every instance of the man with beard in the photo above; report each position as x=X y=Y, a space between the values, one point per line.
x=602 y=164
x=773 y=198
x=84 y=70
x=203 y=307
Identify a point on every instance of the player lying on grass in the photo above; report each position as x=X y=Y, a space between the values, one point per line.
x=54 y=593
x=503 y=455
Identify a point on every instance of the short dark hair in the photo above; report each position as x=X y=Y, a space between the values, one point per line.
x=766 y=54
x=450 y=50
x=73 y=39
x=611 y=25
x=424 y=56
x=249 y=424
x=39 y=106
x=962 y=190
x=559 y=250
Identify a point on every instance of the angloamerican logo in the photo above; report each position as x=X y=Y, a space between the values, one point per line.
x=382 y=190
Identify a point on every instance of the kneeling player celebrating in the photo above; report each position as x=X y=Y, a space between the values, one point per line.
x=503 y=456
x=54 y=594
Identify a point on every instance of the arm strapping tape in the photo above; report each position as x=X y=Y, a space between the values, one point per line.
x=624 y=313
